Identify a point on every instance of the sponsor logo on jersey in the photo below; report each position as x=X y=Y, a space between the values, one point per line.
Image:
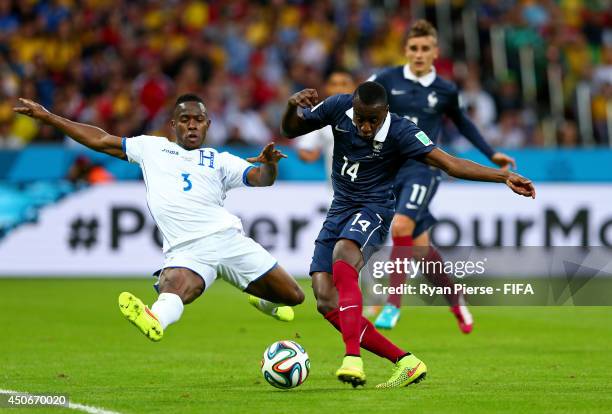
x=169 y=151
x=337 y=128
x=397 y=92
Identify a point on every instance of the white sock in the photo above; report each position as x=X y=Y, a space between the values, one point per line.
x=168 y=308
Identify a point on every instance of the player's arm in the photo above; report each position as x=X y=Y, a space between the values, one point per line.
x=266 y=173
x=467 y=128
x=468 y=170
x=293 y=123
x=88 y=135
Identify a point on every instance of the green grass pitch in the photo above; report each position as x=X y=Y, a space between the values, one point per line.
x=68 y=336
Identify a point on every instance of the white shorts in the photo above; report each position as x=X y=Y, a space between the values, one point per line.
x=228 y=254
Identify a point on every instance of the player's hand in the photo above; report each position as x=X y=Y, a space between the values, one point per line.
x=269 y=155
x=306 y=98
x=31 y=108
x=504 y=161
x=521 y=185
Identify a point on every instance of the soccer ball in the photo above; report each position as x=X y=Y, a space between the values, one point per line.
x=285 y=364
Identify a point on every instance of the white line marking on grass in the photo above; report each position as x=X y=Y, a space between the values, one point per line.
x=74 y=406
x=89 y=409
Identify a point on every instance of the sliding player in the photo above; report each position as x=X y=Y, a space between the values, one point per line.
x=186 y=185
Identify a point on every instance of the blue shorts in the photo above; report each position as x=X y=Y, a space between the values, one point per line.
x=366 y=226
x=413 y=197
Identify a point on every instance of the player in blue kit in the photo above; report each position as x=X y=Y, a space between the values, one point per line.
x=418 y=94
x=370 y=145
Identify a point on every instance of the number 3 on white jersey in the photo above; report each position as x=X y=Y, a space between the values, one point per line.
x=351 y=171
x=187 y=181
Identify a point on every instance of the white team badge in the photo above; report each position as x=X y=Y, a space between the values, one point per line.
x=432 y=99
x=377 y=147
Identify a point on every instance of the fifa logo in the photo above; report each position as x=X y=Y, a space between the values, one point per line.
x=432 y=99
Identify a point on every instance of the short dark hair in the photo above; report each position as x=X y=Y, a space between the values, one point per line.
x=371 y=93
x=421 y=28
x=188 y=97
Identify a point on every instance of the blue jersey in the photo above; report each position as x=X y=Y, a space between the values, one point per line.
x=424 y=101
x=363 y=171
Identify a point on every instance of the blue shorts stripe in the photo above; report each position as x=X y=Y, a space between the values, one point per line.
x=370 y=235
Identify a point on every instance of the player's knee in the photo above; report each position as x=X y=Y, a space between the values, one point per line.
x=402 y=226
x=187 y=286
x=355 y=261
x=349 y=252
x=191 y=293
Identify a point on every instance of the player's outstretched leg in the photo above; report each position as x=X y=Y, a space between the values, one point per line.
x=370 y=339
x=408 y=370
x=141 y=316
x=178 y=286
x=437 y=277
x=390 y=313
x=276 y=287
x=281 y=313
x=402 y=229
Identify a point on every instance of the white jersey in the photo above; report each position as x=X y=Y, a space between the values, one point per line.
x=323 y=140
x=186 y=189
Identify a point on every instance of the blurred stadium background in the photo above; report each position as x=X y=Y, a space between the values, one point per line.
x=535 y=76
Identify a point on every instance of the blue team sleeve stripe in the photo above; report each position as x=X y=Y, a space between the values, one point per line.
x=244 y=176
x=123 y=146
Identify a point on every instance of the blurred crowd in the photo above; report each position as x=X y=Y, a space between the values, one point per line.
x=120 y=64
